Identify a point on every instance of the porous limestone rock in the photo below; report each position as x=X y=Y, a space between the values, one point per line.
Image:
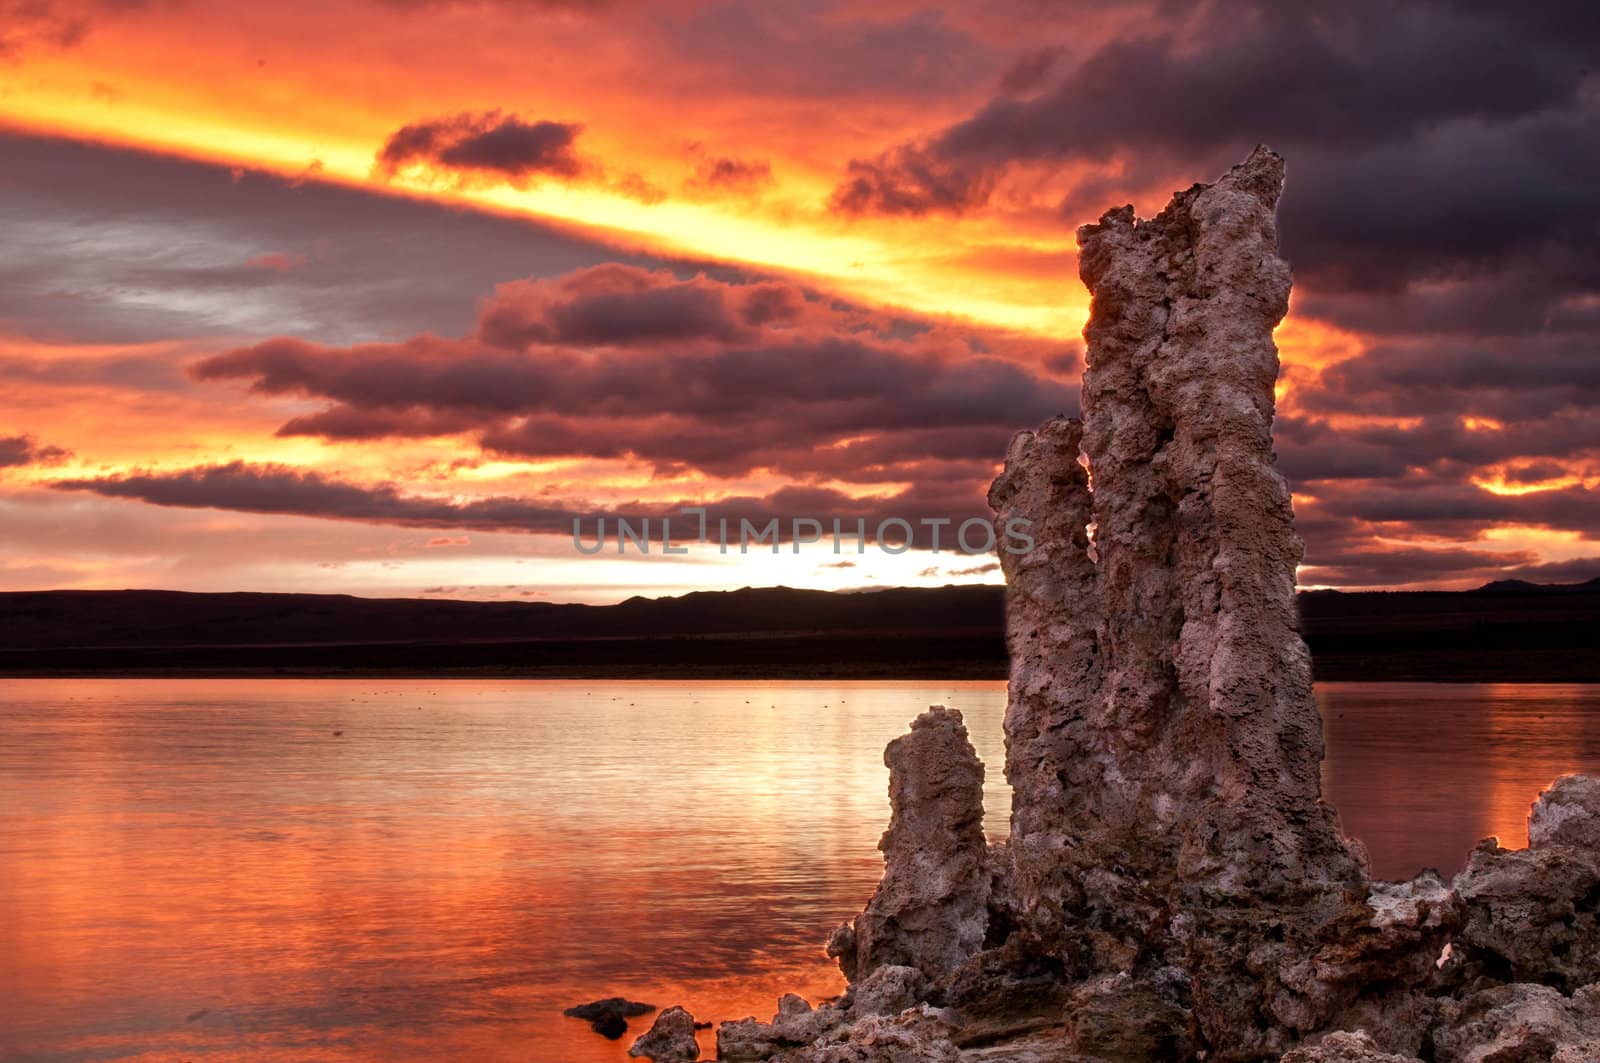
x=1161 y=727
x=1374 y=967
x=1163 y=744
x=930 y=911
x=670 y=1038
x=888 y=990
x=887 y=1028
x=796 y=1025
x=1521 y=1023
x=919 y=1035
x=1345 y=1047
x=1568 y=813
x=1046 y=1046
x=1121 y=1019
x=1531 y=915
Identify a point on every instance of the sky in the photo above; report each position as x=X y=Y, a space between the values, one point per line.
x=378 y=296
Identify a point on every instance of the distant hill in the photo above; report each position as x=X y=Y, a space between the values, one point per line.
x=97 y=619
x=1522 y=586
x=1508 y=630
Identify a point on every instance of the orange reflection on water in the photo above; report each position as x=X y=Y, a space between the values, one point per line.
x=206 y=868
x=337 y=870
x=1422 y=771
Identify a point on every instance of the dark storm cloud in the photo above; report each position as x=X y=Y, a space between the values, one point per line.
x=1342 y=552
x=1423 y=505
x=1449 y=202
x=616 y=305
x=1386 y=565
x=490 y=142
x=1241 y=71
x=616 y=361
x=1531 y=381
x=1029 y=71
x=1311 y=450
x=1412 y=132
x=1533 y=472
x=911 y=180
x=285 y=491
x=25 y=450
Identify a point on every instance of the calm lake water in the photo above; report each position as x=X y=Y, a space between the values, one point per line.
x=350 y=869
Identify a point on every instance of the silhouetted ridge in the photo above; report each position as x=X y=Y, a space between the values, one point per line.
x=68 y=619
x=1504 y=634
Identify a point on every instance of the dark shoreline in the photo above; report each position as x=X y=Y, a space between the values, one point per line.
x=1515 y=633
x=862 y=655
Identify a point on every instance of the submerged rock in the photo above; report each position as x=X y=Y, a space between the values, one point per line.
x=670 y=1038
x=609 y=1016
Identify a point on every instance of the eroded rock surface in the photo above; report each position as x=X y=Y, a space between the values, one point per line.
x=1517 y=1023
x=1163 y=745
x=1568 y=813
x=670 y=1039
x=1531 y=915
x=1345 y=1047
x=1161 y=715
x=930 y=912
x=1173 y=887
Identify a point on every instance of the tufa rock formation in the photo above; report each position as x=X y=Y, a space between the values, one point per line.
x=1173 y=887
x=670 y=1039
x=1163 y=745
x=930 y=911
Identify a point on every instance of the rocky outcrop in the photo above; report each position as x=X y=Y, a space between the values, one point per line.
x=1343 y=1047
x=1173 y=887
x=1516 y=1023
x=919 y=1035
x=1567 y=814
x=1531 y=915
x=799 y=1025
x=670 y=1039
x=930 y=911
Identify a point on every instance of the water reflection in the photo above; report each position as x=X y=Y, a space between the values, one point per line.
x=1422 y=771
x=342 y=869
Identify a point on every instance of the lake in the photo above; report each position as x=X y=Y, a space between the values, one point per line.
x=358 y=869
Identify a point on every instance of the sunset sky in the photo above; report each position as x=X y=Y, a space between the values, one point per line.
x=375 y=296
